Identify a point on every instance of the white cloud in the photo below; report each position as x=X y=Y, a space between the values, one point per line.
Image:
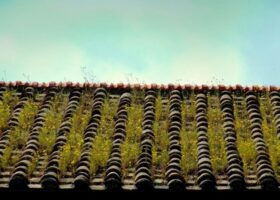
x=208 y=66
x=47 y=61
x=42 y=62
x=172 y=45
x=200 y=66
x=7 y=48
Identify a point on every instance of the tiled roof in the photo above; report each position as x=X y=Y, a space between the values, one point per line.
x=139 y=137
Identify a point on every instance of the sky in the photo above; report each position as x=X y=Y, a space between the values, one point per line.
x=141 y=41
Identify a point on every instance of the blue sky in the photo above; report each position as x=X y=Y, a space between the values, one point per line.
x=162 y=41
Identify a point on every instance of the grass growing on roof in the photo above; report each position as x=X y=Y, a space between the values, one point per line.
x=71 y=151
x=216 y=135
x=269 y=131
x=7 y=103
x=53 y=121
x=5 y=111
x=6 y=106
x=5 y=159
x=26 y=119
x=160 y=148
x=189 y=137
x=19 y=135
x=48 y=133
x=245 y=144
x=103 y=141
x=33 y=165
x=130 y=149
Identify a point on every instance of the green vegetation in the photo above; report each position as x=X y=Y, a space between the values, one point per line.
x=5 y=111
x=71 y=151
x=216 y=136
x=6 y=106
x=33 y=165
x=130 y=149
x=19 y=134
x=189 y=137
x=26 y=117
x=102 y=142
x=49 y=130
x=5 y=159
x=52 y=123
x=245 y=144
x=160 y=148
x=269 y=131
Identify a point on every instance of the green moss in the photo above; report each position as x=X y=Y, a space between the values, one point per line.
x=100 y=153
x=216 y=136
x=189 y=138
x=269 y=131
x=19 y=135
x=52 y=123
x=33 y=165
x=71 y=151
x=14 y=158
x=160 y=149
x=5 y=159
x=245 y=144
x=10 y=97
x=26 y=117
x=4 y=117
x=102 y=142
x=6 y=106
x=130 y=149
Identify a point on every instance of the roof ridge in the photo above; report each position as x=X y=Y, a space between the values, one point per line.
x=121 y=85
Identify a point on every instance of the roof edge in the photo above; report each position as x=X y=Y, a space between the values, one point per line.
x=140 y=86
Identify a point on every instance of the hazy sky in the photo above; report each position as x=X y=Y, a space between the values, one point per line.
x=162 y=41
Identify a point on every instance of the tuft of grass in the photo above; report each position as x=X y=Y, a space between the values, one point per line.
x=269 y=131
x=33 y=165
x=216 y=136
x=52 y=122
x=19 y=135
x=71 y=151
x=189 y=138
x=5 y=159
x=48 y=133
x=160 y=148
x=245 y=144
x=4 y=117
x=102 y=142
x=130 y=149
x=6 y=105
x=100 y=153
